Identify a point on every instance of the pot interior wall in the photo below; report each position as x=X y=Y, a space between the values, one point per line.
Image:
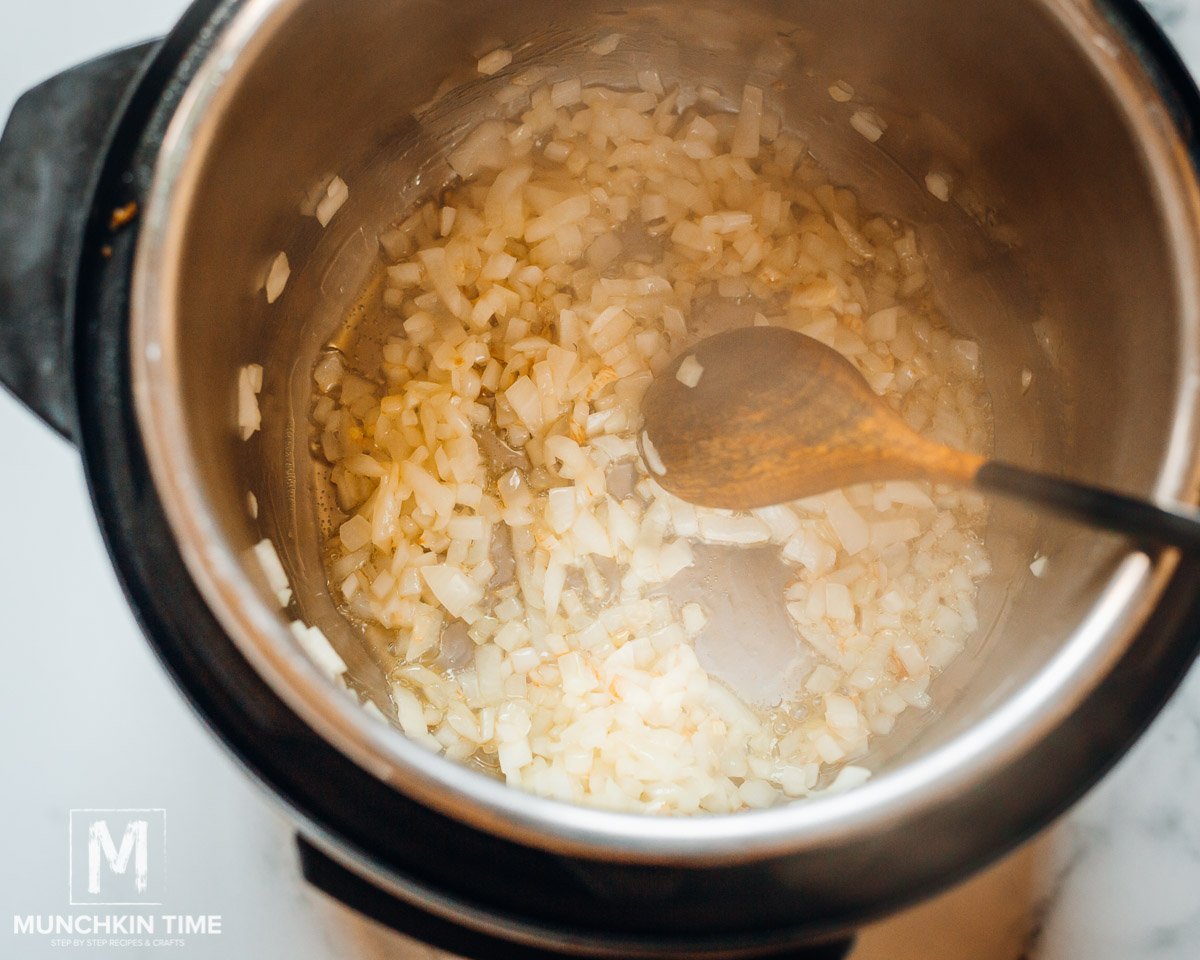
x=1053 y=255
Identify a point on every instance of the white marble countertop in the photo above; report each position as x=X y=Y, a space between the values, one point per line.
x=91 y=721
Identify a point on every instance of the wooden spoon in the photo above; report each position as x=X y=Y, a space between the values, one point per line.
x=777 y=416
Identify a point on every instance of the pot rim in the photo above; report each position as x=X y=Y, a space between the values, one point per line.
x=915 y=789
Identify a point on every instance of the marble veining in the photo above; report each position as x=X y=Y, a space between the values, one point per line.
x=1120 y=876
x=1117 y=878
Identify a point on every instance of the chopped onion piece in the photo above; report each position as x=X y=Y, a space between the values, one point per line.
x=938 y=184
x=277 y=277
x=609 y=44
x=689 y=372
x=494 y=62
x=277 y=578
x=740 y=529
x=453 y=589
x=694 y=618
x=250 y=381
x=566 y=94
x=867 y=123
x=484 y=147
x=883 y=324
x=747 y=133
x=336 y=195
x=649 y=81
x=848 y=525
x=653 y=460
x=319 y=650
x=841 y=91
x=561 y=509
x=530 y=586
x=847 y=779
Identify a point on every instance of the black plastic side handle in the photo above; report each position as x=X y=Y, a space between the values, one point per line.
x=50 y=153
x=362 y=896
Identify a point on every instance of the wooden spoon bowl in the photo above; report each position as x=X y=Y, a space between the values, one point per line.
x=765 y=415
x=778 y=416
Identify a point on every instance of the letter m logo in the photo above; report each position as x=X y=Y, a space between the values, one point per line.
x=117 y=856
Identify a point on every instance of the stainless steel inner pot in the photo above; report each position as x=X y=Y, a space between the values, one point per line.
x=1070 y=250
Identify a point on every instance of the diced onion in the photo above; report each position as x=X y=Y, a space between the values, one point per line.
x=746 y=133
x=250 y=381
x=272 y=567
x=336 y=195
x=277 y=277
x=609 y=44
x=867 y=123
x=453 y=590
x=938 y=184
x=689 y=372
x=494 y=62
x=526 y=584
x=653 y=460
x=319 y=650
x=841 y=91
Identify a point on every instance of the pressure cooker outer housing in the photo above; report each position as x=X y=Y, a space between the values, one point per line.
x=564 y=889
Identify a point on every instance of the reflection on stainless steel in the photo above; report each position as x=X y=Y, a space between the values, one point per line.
x=749 y=642
x=1069 y=251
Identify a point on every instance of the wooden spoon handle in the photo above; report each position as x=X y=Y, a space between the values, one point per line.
x=1145 y=522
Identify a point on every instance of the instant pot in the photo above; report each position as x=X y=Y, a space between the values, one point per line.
x=146 y=194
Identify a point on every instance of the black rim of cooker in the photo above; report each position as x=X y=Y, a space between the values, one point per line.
x=382 y=832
